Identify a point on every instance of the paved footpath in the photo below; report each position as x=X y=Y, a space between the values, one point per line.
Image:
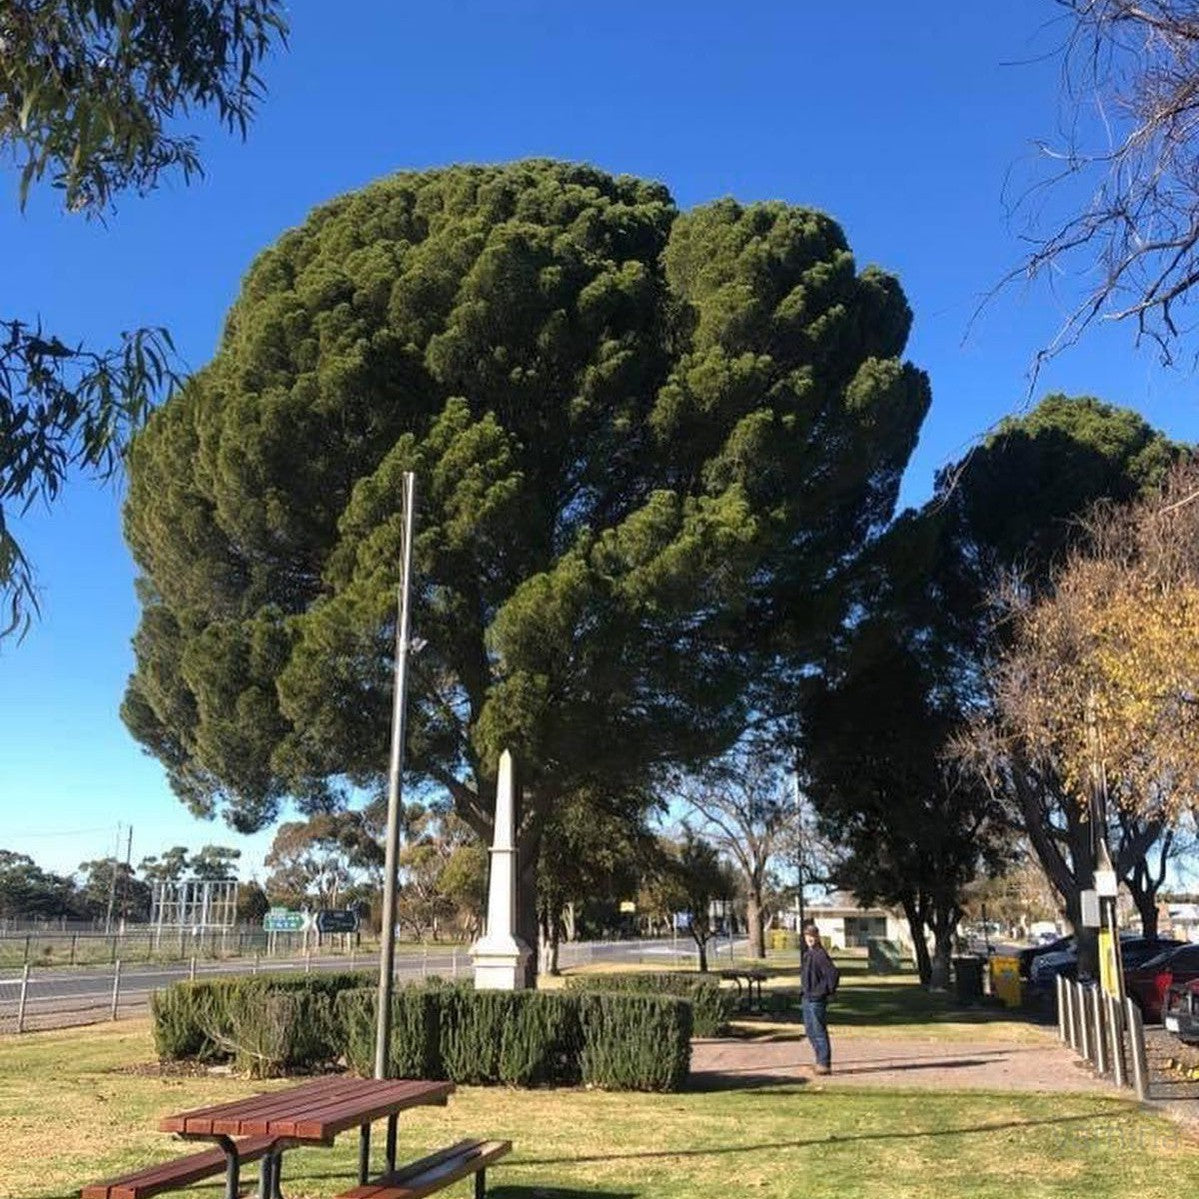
x=1041 y=1065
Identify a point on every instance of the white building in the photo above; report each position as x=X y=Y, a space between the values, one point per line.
x=845 y=924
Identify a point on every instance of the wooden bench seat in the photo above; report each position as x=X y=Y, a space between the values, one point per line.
x=436 y=1171
x=181 y=1172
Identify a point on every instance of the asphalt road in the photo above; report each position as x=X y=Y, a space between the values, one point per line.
x=55 y=997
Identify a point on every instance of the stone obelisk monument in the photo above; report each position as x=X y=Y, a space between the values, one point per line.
x=500 y=956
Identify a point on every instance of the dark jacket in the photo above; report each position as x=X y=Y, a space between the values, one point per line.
x=818 y=974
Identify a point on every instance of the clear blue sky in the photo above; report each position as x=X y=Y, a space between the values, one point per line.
x=901 y=120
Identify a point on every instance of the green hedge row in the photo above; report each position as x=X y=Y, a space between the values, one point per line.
x=266 y=1023
x=271 y=1024
x=525 y=1038
x=711 y=1004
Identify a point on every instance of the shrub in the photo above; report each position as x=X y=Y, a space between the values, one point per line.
x=197 y=1019
x=635 y=1042
x=413 y=1050
x=711 y=1004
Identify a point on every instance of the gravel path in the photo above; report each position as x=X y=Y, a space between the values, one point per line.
x=985 y=1064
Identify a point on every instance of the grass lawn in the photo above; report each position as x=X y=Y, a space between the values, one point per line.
x=72 y=1111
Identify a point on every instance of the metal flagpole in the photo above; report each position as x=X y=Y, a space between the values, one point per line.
x=394 y=773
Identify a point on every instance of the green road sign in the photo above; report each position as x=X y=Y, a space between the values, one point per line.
x=282 y=920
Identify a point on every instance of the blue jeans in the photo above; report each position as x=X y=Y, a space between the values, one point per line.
x=815 y=1023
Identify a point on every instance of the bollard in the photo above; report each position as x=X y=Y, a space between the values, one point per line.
x=424 y=961
x=1100 y=1031
x=307 y=960
x=116 y=987
x=454 y=960
x=1084 y=1023
x=1068 y=1003
x=74 y=941
x=191 y=969
x=1116 y=1030
x=1136 y=1045
x=21 y=1001
x=255 y=968
x=1062 y=1031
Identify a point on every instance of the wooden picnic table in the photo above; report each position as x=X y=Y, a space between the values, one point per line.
x=312 y=1113
x=752 y=978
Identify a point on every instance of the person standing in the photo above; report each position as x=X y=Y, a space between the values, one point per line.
x=819 y=978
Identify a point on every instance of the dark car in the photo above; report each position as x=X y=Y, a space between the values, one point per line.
x=1027 y=956
x=1134 y=952
x=1180 y=1012
x=1147 y=985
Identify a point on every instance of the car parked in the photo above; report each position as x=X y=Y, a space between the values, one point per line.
x=1134 y=952
x=1147 y=985
x=1031 y=953
x=1180 y=1011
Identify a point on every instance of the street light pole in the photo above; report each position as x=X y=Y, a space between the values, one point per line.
x=394 y=786
x=799 y=903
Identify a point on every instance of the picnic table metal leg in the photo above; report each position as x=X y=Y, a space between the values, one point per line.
x=480 y=1184
x=232 y=1167
x=364 y=1154
x=392 y=1121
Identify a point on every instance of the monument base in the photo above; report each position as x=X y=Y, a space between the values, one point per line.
x=500 y=966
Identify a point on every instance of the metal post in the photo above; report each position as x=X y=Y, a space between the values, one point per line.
x=454 y=961
x=424 y=961
x=116 y=987
x=364 y=1154
x=74 y=939
x=191 y=969
x=1098 y=1005
x=1115 y=1025
x=1136 y=1044
x=394 y=786
x=21 y=1001
x=1062 y=1031
x=256 y=956
x=307 y=959
x=1084 y=1011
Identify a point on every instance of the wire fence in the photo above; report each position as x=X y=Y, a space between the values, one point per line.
x=34 y=998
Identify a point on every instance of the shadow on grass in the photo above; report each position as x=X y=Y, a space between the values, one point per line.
x=885 y=1004
x=535 y=1192
x=832 y=1139
x=753 y=1077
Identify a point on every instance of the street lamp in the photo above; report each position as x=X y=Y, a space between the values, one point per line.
x=394 y=785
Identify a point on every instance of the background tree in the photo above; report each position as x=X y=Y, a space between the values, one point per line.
x=686 y=880
x=252 y=903
x=130 y=896
x=170 y=867
x=914 y=831
x=1131 y=197
x=91 y=96
x=26 y=890
x=215 y=862
x=648 y=444
x=741 y=805
x=594 y=850
x=1014 y=507
x=315 y=861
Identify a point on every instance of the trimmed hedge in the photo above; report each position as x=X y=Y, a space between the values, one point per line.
x=635 y=1042
x=711 y=1004
x=222 y=1019
x=270 y=1024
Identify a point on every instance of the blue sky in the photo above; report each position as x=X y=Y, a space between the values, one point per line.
x=904 y=122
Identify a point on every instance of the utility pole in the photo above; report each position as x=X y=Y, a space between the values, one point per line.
x=1106 y=884
x=394 y=785
x=799 y=903
x=128 y=872
x=112 y=882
